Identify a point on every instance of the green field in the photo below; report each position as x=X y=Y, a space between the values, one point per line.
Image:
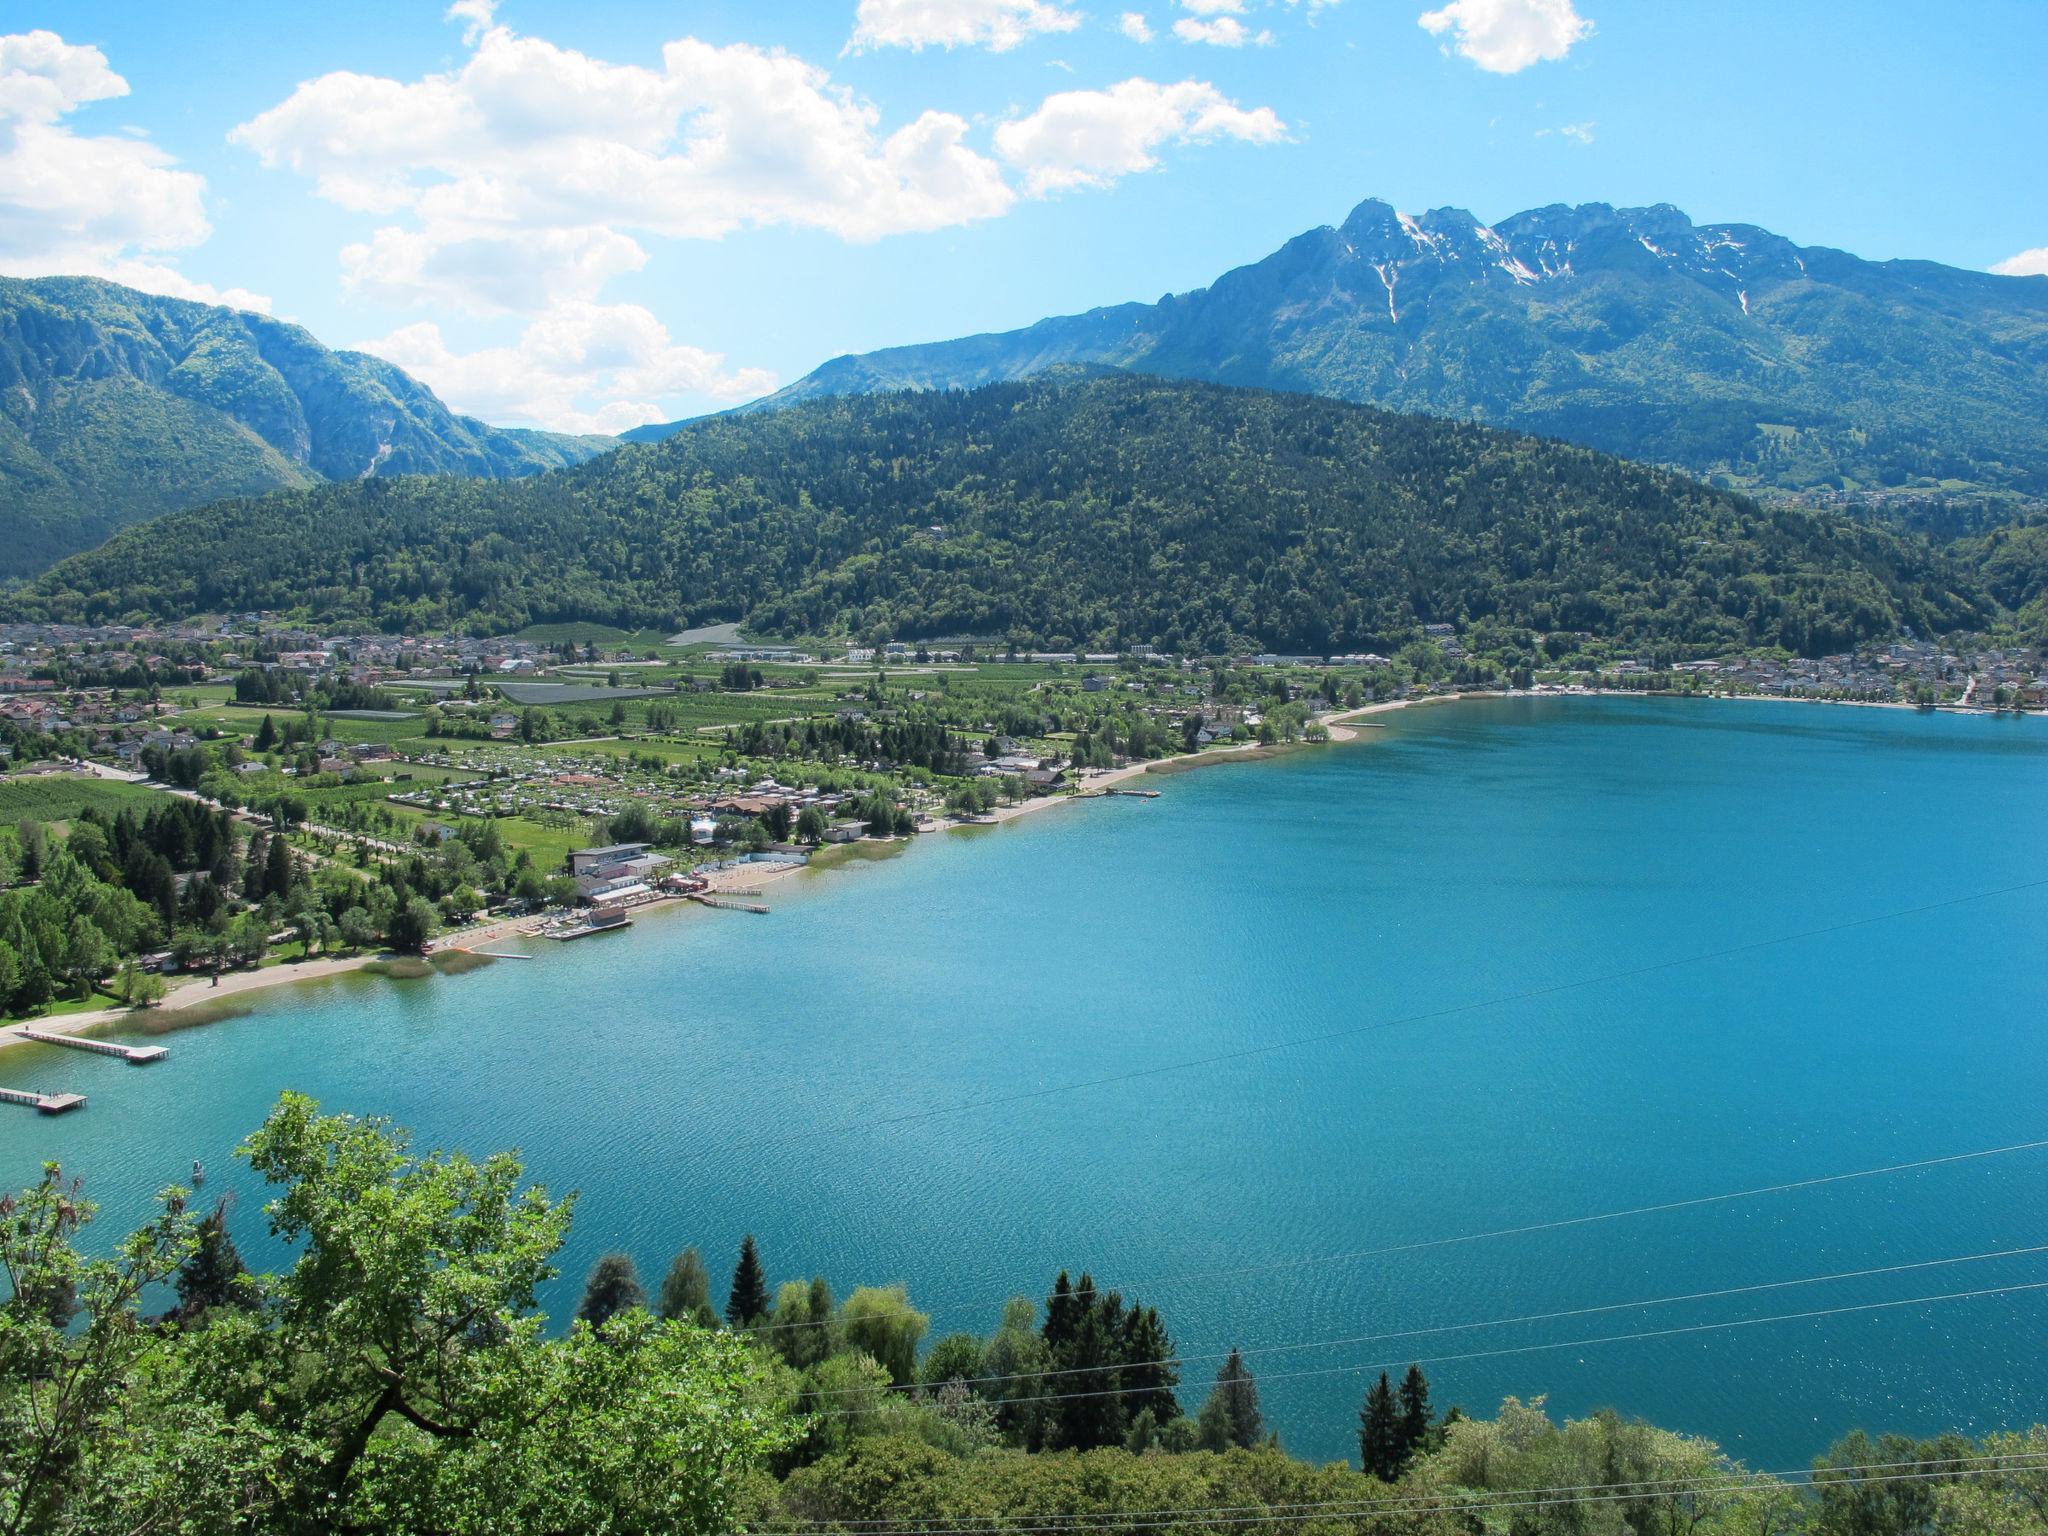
x=59 y=797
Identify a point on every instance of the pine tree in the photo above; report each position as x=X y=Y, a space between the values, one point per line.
x=1379 y=1432
x=1092 y=1410
x=214 y=1274
x=1063 y=1313
x=278 y=873
x=1149 y=1374
x=613 y=1287
x=252 y=872
x=686 y=1290
x=1234 y=1403
x=1415 y=1414
x=749 y=1298
x=266 y=735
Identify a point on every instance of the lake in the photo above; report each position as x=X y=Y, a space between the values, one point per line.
x=1498 y=964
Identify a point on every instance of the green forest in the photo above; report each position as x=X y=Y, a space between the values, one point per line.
x=397 y=1377
x=1076 y=511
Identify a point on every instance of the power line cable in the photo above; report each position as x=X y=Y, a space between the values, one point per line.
x=1655 y=1487
x=1612 y=1338
x=1201 y=1516
x=1497 y=1322
x=1525 y=1229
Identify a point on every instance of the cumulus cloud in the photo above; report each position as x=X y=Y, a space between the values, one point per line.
x=577 y=367
x=2032 y=263
x=1090 y=138
x=1134 y=26
x=550 y=158
x=994 y=24
x=1507 y=36
x=1218 y=32
x=487 y=272
x=100 y=206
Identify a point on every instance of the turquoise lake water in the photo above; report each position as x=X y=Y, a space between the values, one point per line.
x=1514 y=961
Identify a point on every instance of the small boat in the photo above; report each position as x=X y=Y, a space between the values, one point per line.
x=198 y=1172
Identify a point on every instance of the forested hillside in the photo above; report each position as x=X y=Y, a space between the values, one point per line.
x=1077 y=510
x=1722 y=349
x=117 y=405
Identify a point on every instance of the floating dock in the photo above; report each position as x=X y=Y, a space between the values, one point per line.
x=134 y=1055
x=48 y=1103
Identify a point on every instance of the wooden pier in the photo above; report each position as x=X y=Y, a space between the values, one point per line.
x=134 y=1055
x=726 y=904
x=48 y=1103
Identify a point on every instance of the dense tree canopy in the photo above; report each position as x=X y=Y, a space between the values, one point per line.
x=1073 y=511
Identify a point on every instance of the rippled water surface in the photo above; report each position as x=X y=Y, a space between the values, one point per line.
x=1493 y=965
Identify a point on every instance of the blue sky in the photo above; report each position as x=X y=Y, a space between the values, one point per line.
x=585 y=215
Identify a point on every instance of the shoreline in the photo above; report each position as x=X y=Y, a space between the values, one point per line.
x=197 y=992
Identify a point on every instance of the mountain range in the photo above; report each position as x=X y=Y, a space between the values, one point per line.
x=116 y=406
x=1087 y=509
x=1720 y=349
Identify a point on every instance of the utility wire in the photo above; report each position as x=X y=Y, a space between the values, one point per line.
x=1524 y=1230
x=1200 y=1516
x=1495 y=1322
x=1611 y=1338
x=1656 y=1487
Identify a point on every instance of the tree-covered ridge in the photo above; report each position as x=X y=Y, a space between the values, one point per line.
x=1100 y=511
x=117 y=405
x=1722 y=349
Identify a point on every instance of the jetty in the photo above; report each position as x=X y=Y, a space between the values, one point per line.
x=726 y=903
x=134 y=1055
x=48 y=1103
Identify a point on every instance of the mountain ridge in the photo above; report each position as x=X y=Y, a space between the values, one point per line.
x=1084 y=509
x=118 y=405
x=1721 y=349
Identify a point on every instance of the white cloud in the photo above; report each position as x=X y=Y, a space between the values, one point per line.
x=547 y=149
x=1090 y=138
x=109 y=206
x=995 y=24
x=1507 y=36
x=578 y=367
x=488 y=272
x=1218 y=32
x=2032 y=263
x=1581 y=132
x=476 y=17
x=1213 y=7
x=1134 y=26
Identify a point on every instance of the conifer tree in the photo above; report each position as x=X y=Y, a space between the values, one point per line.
x=1379 y=1432
x=214 y=1274
x=252 y=872
x=1234 y=1404
x=748 y=1300
x=1149 y=1374
x=686 y=1290
x=1063 y=1313
x=1415 y=1414
x=278 y=872
x=613 y=1287
x=266 y=735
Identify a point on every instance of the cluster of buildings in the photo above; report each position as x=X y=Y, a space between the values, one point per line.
x=1907 y=670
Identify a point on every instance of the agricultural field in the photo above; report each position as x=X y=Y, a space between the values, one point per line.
x=59 y=797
